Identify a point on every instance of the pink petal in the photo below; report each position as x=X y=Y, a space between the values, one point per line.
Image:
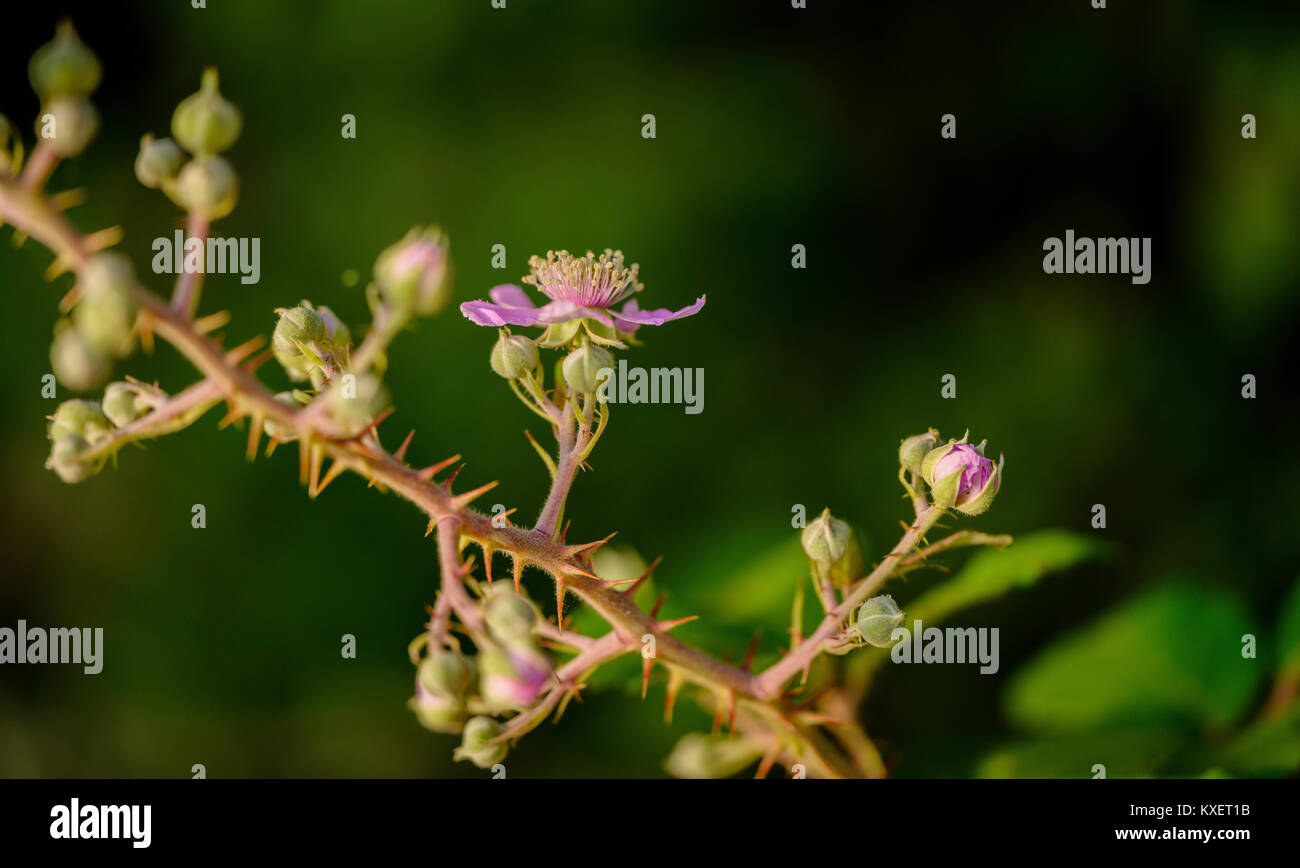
x=630 y=314
x=563 y=311
x=509 y=295
x=485 y=313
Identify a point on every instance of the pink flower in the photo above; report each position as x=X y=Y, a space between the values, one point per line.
x=584 y=287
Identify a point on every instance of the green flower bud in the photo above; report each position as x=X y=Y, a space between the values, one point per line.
x=159 y=160
x=205 y=122
x=123 y=404
x=294 y=399
x=336 y=331
x=207 y=186
x=437 y=713
x=105 y=314
x=877 y=619
x=71 y=124
x=914 y=449
x=84 y=419
x=354 y=404
x=76 y=363
x=475 y=745
x=826 y=539
x=64 y=66
x=582 y=367
x=697 y=755
x=513 y=355
x=295 y=341
x=446 y=674
x=65 y=458
x=414 y=275
x=509 y=616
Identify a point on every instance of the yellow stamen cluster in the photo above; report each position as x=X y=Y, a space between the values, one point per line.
x=586 y=280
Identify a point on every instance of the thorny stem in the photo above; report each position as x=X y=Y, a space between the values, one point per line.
x=771 y=681
x=22 y=205
x=185 y=298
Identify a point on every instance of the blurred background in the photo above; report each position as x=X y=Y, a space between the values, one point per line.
x=775 y=127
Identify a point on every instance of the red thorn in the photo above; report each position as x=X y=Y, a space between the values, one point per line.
x=469 y=497
x=639 y=582
x=518 y=571
x=400 y=454
x=647 y=663
x=670 y=697
x=559 y=601
x=654 y=611
x=446 y=483
x=751 y=651
x=487 y=562
x=429 y=472
x=571 y=551
x=672 y=625
x=565 y=530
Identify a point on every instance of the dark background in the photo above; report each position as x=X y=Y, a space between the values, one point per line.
x=774 y=127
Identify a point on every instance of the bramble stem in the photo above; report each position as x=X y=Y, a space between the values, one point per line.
x=774 y=677
x=185 y=298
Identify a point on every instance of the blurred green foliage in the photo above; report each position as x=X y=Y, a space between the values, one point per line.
x=522 y=127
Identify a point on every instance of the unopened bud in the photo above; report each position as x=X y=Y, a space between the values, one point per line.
x=207 y=186
x=582 y=367
x=297 y=333
x=961 y=477
x=77 y=364
x=123 y=404
x=826 y=539
x=446 y=674
x=513 y=677
x=877 y=619
x=697 y=755
x=336 y=331
x=914 y=449
x=414 y=275
x=294 y=399
x=513 y=355
x=159 y=160
x=71 y=124
x=65 y=458
x=509 y=616
x=206 y=122
x=436 y=713
x=64 y=66
x=84 y=419
x=352 y=409
x=105 y=313
x=475 y=747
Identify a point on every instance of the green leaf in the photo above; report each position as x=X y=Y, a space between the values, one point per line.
x=1173 y=653
x=1126 y=752
x=990 y=573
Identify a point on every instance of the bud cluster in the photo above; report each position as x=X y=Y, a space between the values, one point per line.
x=64 y=73
x=204 y=124
x=459 y=693
x=79 y=427
x=101 y=324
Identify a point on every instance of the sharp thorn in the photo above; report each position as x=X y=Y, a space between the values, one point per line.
x=433 y=469
x=400 y=454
